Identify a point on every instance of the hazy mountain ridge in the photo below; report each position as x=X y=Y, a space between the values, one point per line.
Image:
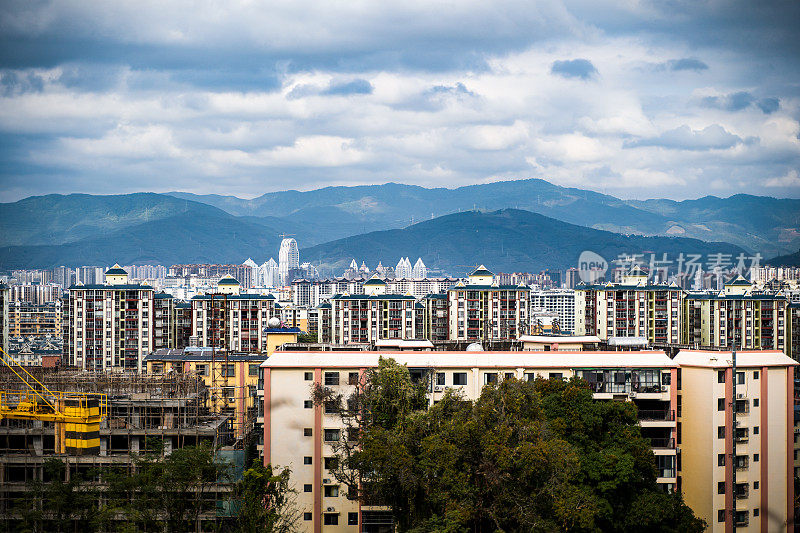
x=510 y=240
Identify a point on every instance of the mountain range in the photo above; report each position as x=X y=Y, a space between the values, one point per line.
x=385 y=222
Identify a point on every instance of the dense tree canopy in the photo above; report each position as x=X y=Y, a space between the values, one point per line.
x=525 y=456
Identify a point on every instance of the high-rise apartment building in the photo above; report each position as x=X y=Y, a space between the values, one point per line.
x=633 y=308
x=367 y=318
x=31 y=320
x=758 y=420
x=484 y=310
x=560 y=302
x=437 y=323
x=108 y=326
x=230 y=319
x=288 y=259
x=738 y=316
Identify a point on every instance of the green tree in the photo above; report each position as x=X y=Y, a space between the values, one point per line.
x=541 y=456
x=264 y=501
x=57 y=502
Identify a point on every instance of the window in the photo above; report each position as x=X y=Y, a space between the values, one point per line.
x=720 y=432
x=755 y=374
x=755 y=485
x=721 y=404
x=252 y=369
x=721 y=487
x=331 y=463
x=459 y=378
x=755 y=457
x=331 y=407
x=331 y=378
x=307 y=516
x=720 y=376
x=556 y=375
x=307 y=460
x=307 y=488
x=740 y=378
x=755 y=512
x=307 y=432
x=308 y=404
x=720 y=459
x=755 y=430
x=440 y=378
x=332 y=435
x=490 y=377
x=508 y=375
x=352 y=378
x=352 y=519
x=721 y=515
x=202 y=370
x=331 y=491
x=330 y=519
x=755 y=402
x=229 y=370
x=309 y=376
x=530 y=376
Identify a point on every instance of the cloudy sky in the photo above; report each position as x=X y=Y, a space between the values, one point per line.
x=633 y=98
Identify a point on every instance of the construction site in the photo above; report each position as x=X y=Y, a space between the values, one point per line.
x=95 y=421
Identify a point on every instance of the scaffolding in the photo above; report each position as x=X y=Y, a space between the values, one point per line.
x=170 y=409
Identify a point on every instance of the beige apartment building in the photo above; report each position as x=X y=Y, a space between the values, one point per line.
x=759 y=420
x=633 y=308
x=108 y=326
x=737 y=316
x=298 y=433
x=232 y=320
x=482 y=310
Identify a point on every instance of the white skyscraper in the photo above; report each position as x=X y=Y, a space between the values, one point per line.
x=420 y=270
x=403 y=269
x=288 y=258
x=268 y=274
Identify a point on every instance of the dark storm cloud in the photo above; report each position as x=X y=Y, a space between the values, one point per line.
x=574 y=68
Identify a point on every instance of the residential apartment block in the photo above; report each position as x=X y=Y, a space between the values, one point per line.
x=558 y=301
x=737 y=316
x=108 y=326
x=230 y=319
x=4 y=303
x=484 y=310
x=759 y=420
x=367 y=318
x=632 y=308
x=298 y=434
x=28 y=320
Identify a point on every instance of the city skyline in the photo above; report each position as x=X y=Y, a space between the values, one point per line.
x=636 y=100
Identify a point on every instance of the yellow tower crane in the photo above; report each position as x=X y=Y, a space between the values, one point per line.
x=76 y=415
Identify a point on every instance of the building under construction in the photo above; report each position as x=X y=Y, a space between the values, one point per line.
x=172 y=409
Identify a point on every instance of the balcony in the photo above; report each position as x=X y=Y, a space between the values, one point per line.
x=661 y=443
x=661 y=415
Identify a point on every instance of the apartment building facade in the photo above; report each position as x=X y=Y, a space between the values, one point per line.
x=482 y=309
x=737 y=316
x=759 y=419
x=365 y=319
x=108 y=326
x=633 y=308
x=558 y=301
x=31 y=320
x=4 y=303
x=298 y=434
x=231 y=320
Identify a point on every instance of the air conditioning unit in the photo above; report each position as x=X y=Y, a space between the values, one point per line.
x=740 y=396
x=663 y=388
x=326 y=481
x=330 y=509
x=438 y=388
x=632 y=394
